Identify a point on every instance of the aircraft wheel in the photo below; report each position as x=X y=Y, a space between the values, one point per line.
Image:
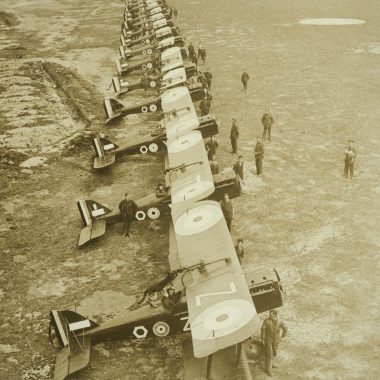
x=153 y=147
x=143 y=149
x=144 y=52
x=144 y=109
x=153 y=213
x=140 y=215
x=161 y=329
x=147 y=41
x=149 y=51
x=143 y=67
x=153 y=108
x=152 y=84
x=149 y=66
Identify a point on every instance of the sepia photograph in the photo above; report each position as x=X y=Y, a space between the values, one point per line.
x=190 y=190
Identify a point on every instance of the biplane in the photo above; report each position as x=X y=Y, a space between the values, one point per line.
x=114 y=109
x=159 y=83
x=169 y=59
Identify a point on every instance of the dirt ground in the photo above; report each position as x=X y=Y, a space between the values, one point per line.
x=318 y=229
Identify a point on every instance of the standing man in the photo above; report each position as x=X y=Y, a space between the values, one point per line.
x=203 y=55
x=267 y=121
x=259 y=155
x=228 y=210
x=234 y=135
x=200 y=48
x=208 y=77
x=239 y=170
x=214 y=165
x=349 y=159
x=204 y=106
x=175 y=13
x=272 y=331
x=239 y=249
x=191 y=50
x=244 y=80
x=128 y=209
x=211 y=147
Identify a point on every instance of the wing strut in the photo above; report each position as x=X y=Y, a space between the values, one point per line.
x=209 y=364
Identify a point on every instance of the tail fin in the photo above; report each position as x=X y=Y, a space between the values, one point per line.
x=94 y=227
x=74 y=355
x=104 y=150
x=122 y=52
x=120 y=87
x=111 y=107
x=121 y=67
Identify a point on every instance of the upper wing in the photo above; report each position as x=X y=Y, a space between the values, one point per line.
x=188 y=171
x=220 y=307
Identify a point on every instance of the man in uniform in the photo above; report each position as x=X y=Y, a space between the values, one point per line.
x=349 y=159
x=272 y=331
x=245 y=79
x=214 y=166
x=203 y=55
x=239 y=170
x=191 y=50
x=204 y=106
x=211 y=147
x=200 y=48
x=208 y=77
x=267 y=121
x=161 y=191
x=239 y=249
x=234 y=135
x=228 y=210
x=128 y=209
x=259 y=155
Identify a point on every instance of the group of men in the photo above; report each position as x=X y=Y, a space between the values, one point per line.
x=201 y=53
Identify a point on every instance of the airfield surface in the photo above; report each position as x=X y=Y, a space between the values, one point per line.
x=318 y=229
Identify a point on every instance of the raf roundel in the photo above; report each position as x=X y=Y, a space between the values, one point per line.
x=161 y=329
x=222 y=319
x=191 y=191
x=184 y=142
x=198 y=219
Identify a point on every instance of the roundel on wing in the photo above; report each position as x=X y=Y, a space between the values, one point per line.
x=222 y=319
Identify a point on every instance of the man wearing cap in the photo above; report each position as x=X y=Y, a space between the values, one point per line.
x=244 y=80
x=208 y=77
x=238 y=168
x=259 y=155
x=128 y=209
x=191 y=50
x=234 y=135
x=205 y=105
x=239 y=249
x=228 y=210
x=267 y=121
x=214 y=165
x=272 y=331
x=349 y=159
x=211 y=147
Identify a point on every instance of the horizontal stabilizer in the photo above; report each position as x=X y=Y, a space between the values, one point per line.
x=93 y=231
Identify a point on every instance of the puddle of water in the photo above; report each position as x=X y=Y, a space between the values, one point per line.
x=331 y=21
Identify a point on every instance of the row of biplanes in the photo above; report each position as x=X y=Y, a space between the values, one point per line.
x=218 y=303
